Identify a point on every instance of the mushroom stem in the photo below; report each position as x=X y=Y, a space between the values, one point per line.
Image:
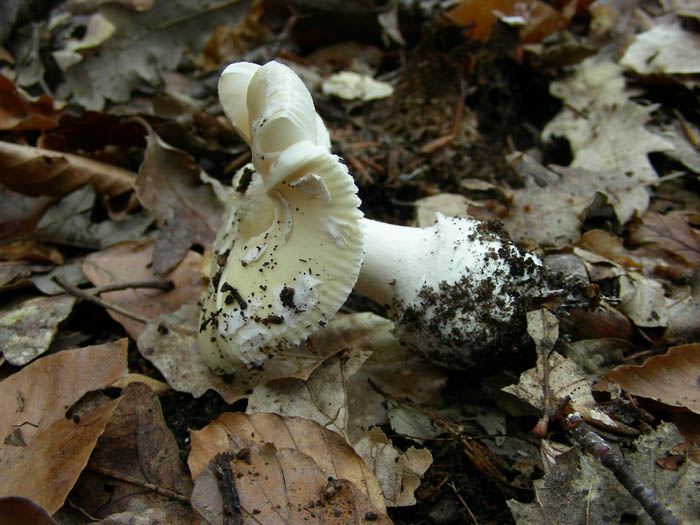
x=458 y=290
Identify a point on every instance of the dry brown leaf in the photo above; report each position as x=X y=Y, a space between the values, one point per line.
x=669 y=236
x=479 y=16
x=670 y=378
x=549 y=209
x=294 y=490
x=131 y=261
x=398 y=473
x=609 y=246
x=186 y=210
x=46 y=469
x=28 y=328
x=136 y=445
x=158 y=387
x=41 y=392
x=295 y=459
x=31 y=251
x=338 y=395
x=578 y=489
x=16 y=511
x=43 y=451
x=37 y=171
x=18 y=112
x=170 y=343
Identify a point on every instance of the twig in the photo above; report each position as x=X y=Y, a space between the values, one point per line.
x=595 y=445
x=540 y=429
x=221 y=466
x=81 y=294
x=140 y=483
x=464 y=503
x=158 y=285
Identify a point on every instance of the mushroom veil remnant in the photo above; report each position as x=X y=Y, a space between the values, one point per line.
x=294 y=243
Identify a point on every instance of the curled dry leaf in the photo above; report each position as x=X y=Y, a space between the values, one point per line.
x=170 y=343
x=19 y=112
x=664 y=49
x=398 y=473
x=28 y=328
x=43 y=451
x=605 y=128
x=46 y=469
x=670 y=378
x=37 y=171
x=187 y=211
x=338 y=394
x=131 y=261
x=283 y=469
x=136 y=445
x=669 y=236
x=549 y=208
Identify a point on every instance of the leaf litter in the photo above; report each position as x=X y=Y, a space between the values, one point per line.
x=567 y=122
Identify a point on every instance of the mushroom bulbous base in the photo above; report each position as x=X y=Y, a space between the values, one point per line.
x=462 y=326
x=457 y=291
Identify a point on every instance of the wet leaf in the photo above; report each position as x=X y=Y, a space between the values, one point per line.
x=287 y=470
x=671 y=378
x=186 y=210
x=28 y=328
x=37 y=171
x=135 y=447
x=131 y=261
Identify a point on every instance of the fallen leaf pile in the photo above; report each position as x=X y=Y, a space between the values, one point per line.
x=574 y=123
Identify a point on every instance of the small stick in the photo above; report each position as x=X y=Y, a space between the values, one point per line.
x=139 y=483
x=81 y=294
x=464 y=503
x=221 y=466
x=596 y=446
x=159 y=285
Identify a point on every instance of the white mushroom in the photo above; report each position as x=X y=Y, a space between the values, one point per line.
x=457 y=291
x=293 y=241
x=289 y=250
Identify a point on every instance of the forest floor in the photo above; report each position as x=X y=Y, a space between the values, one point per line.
x=573 y=124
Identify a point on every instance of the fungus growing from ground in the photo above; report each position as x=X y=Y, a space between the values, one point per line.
x=294 y=243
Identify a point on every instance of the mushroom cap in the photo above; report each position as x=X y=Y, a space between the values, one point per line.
x=290 y=248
